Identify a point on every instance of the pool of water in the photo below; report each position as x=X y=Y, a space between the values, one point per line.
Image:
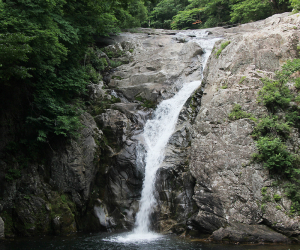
x=125 y=241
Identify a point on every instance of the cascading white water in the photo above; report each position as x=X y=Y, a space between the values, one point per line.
x=156 y=136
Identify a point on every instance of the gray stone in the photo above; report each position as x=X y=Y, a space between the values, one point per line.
x=73 y=169
x=249 y=233
x=1 y=228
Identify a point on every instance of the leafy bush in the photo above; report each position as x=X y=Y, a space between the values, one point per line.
x=271 y=126
x=238 y=113
x=273 y=154
x=251 y=10
x=274 y=94
x=296 y=5
x=290 y=67
x=164 y=11
x=271 y=132
x=277 y=197
x=187 y=19
x=93 y=75
x=115 y=64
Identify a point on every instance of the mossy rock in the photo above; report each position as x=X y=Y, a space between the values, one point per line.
x=8 y=224
x=63 y=219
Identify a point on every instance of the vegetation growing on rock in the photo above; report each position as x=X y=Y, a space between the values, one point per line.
x=223 y=46
x=238 y=113
x=272 y=133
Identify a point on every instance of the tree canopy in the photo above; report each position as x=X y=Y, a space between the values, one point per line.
x=42 y=44
x=194 y=14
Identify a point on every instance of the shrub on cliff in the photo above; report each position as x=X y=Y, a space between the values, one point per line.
x=272 y=132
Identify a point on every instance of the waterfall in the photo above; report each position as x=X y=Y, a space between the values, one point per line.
x=156 y=136
x=157 y=133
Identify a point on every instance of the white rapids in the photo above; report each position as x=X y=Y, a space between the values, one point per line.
x=157 y=133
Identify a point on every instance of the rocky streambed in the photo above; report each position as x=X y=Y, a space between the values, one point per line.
x=207 y=185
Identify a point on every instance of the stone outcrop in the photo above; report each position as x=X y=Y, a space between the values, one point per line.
x=46 y=198
x=228 y=184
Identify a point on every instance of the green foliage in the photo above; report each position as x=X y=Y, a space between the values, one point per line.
x=111 y=53
x=264 y=191
x=115 y=64
x=224 y=86
x=56 y=36
x=274 y=94
x=266 y=197
x=163 y=12
x=187 y=19
x=237 y=113
x=297 y=83
x=117 y=77
x=14 y=49
x=250 y=10
x=93 y=58
x=296 y=5
x=273 y=154
x=290 y=67
x=132 y=13
x=277 y=197
x=242 y=79
x=12 y=174
x=211 y=13
x=293 y=116
x=271 y=132
x=223 y=46
x=271 y=126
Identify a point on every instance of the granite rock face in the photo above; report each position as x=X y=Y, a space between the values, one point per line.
x=228 y=184
x=46 y=198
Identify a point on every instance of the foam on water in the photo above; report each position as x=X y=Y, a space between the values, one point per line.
x=135 y=238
